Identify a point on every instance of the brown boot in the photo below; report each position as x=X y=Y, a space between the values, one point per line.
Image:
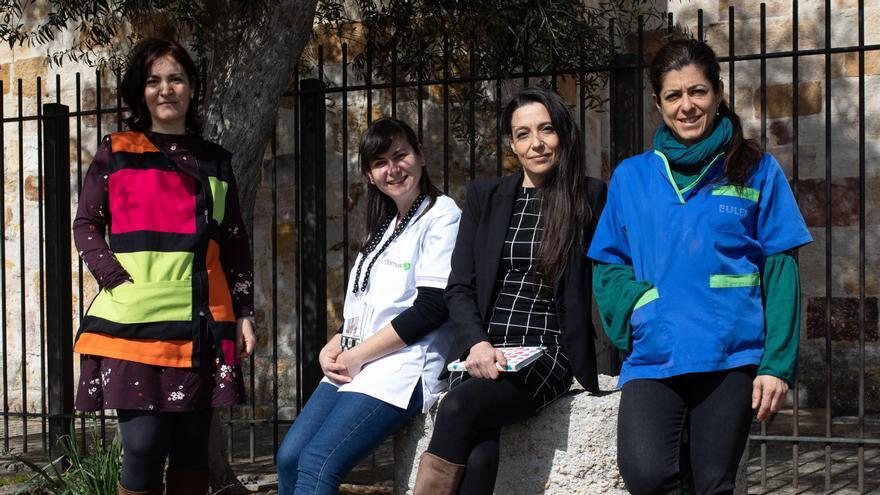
x=437 y=476
x=186 y=482
x=123 y=491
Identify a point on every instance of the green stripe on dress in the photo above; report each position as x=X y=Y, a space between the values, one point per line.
x=649 y=295
x=729 y=281
x=218 y=194
x=737 y=192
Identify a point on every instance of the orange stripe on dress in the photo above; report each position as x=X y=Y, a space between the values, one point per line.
x=131 y=142
x=219 y=298
x=172 y=353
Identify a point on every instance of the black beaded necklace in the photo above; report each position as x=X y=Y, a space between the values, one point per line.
x=374 y=241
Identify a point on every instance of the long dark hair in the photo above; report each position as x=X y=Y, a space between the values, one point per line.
x=563 y=191
x=134 y=80
x=375 y=142
x=742 y=154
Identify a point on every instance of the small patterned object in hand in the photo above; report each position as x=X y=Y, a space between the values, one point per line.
x=517 y=358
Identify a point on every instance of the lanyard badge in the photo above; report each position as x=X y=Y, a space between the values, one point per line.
x=355 y=328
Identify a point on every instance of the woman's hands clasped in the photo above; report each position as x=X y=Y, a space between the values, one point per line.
x=338 y=365
x=483 y=361
x=768 y=395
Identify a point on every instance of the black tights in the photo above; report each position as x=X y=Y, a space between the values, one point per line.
x=148 y=438
x=468 y=428
x=715 y=408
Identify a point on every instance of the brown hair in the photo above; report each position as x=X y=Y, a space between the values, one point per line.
x=134 y=80
x=376 y=141
x=742 y=155
x=564 y=191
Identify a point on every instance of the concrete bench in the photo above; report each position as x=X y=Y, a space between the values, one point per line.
x=569 y=448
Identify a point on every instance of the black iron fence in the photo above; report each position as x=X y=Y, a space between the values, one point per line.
x=805 y=103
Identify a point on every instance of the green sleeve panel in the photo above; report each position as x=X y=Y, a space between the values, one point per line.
x=782 y=316
x=617 y=291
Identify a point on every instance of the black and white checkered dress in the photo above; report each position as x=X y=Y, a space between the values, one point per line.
x=524 y=312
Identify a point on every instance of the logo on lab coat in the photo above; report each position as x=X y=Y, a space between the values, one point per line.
x=734 y=210
x=403 y=266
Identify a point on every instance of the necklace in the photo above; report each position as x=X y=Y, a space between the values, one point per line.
x=374 y=241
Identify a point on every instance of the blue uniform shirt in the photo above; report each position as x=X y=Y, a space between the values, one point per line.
x=703 y=249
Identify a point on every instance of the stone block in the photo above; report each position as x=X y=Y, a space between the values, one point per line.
x=845 y=375
x=28 y=70
x=569 y=448
x=778 y=36
x=779 y=100
x=5 y=79
x=844 y=318
x=749 y=9
x=872 y=64
x=844 y=199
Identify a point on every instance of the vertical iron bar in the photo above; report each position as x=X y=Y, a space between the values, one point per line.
x=420 y=117
x=862 y=260
x=21 y=270
x=79 y=262
x=763 y=47
x=59 y=325
x=118 y=102
x=612 y=108
x=345 y=237
x=102 y=414
x=369 y=82
x=274 y=178
x=41 y=268
x=298 y=258
x=700 y=24
x=312 y=223
x=670 y=23
x=828 y=234
x=499 y=157
x=472 y=114
x=640 y=97
x=445 y=113
x=5 y=370
x=795 y=106
x=582 y=116
x=394 y=80
x=731 y=67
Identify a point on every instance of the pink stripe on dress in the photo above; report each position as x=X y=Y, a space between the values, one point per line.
x=155 y=200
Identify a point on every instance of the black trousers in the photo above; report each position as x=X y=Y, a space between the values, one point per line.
x=467 y=429
x=149 y=438
x=715 y=410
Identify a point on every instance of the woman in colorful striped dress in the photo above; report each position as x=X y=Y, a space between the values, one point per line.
x=159 y=227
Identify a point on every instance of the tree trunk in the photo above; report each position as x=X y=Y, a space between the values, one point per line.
x=256 y=46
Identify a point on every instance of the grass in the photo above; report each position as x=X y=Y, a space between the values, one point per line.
x=92 y=473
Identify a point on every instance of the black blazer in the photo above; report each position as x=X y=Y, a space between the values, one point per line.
x=481 y=234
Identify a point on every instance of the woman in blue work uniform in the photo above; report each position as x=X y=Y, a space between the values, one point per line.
x=694 y=234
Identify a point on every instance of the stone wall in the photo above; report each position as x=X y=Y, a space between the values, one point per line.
x=843 y=285
x=570 y=448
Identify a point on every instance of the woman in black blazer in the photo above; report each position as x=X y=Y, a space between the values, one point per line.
x=519 y=277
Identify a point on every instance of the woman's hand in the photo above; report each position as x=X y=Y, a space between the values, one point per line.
x=327 y=359
x=768 y=395
x=244 y=338
x=483 y=361
x=352 y=361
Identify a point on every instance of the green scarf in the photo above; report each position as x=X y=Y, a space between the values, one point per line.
x=697 y=155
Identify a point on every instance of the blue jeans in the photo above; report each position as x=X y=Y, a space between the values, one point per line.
x=332 y=434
